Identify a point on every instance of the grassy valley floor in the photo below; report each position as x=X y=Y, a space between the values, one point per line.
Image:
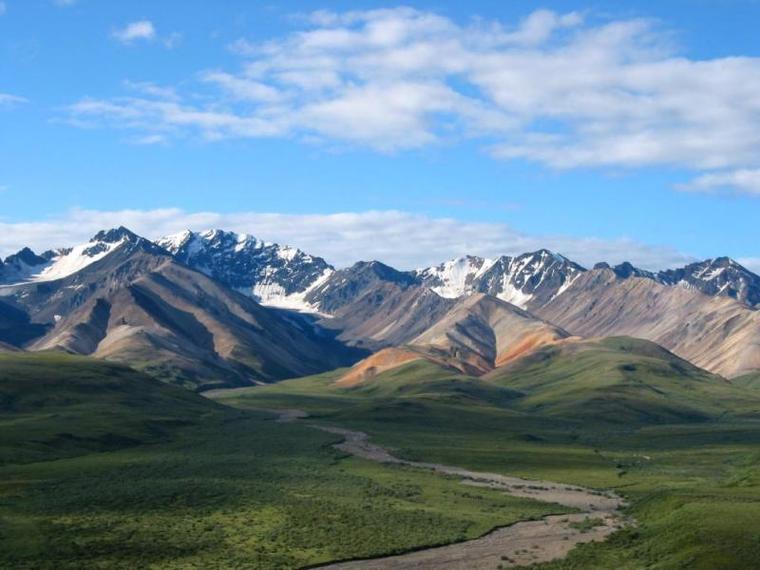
x=102 y=467
x=93 y=475
x=694 y=487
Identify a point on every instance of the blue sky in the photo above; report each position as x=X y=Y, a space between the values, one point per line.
x=408 y=133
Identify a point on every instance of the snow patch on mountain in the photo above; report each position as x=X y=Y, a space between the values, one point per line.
x=61 y=263
x=273 y=294
x=272 y=274
x=456 y=277
x=512 y=294
x=721 y=276
x=520 y=280
x=566 y=285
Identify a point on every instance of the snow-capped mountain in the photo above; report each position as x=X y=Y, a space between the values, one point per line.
x=27 y=267
x=721 y=276
x=22 y=264
x=524 y=280
x=136 y=303
x=272 y=274
x=455 y=277
x=120 y=294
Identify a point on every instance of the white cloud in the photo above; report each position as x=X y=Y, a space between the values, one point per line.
x=241 y=88
x=744 y=180
x=3 y=8
x=168 y=117
x=401 y=239
x=134 y=31
x=540 y=25
x=562 y=90
x=8 y=100
x=751 y=263
x=145 y=30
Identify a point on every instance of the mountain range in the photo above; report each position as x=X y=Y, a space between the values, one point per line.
x=218 y=308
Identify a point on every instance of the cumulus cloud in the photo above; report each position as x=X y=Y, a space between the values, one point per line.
x=558 y=89
x=745 y=180
x=145 y=31
x=135 y=31
x=402 y=239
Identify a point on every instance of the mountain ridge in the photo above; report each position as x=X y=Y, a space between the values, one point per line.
x=270 y=273
x=135 y=303
x=71 y=298
x=287 y=277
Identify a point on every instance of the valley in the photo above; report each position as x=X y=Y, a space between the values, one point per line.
x=481 y=413
x=190 y=483
x=518 y=544
x=690 y=483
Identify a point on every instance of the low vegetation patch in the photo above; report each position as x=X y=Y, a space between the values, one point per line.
x=217 y=488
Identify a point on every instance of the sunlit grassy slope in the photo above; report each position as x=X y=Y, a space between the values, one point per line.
x=55 y=405
x=682 y=445
x=621 y=380
x=106 y=468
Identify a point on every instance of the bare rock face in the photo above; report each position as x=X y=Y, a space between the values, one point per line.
x=718 y=334
x=486 y=332
x=137 y=304
x=270 y=273
x=478 y=334
x=720 y=277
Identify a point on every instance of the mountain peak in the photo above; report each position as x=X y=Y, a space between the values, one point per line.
x=174 y=242
x=382 y=271
x=25 y=256
x=216 y=233
x=543 y=252
x=720 y=276
x=530 y=277
x=273 y=274
x=114 y=235
x=725 y=261
x=455 y=277
x=627 y=269
x=26 y=266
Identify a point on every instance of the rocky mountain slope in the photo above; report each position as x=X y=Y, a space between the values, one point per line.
x=137 y=304
x=373 y=305
x=183 y=297
x=716 y=333
x=717 y=277
x=486 y=333
x=272 y=274
x=527 y=280
x=478 y=334
x=533 y=279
